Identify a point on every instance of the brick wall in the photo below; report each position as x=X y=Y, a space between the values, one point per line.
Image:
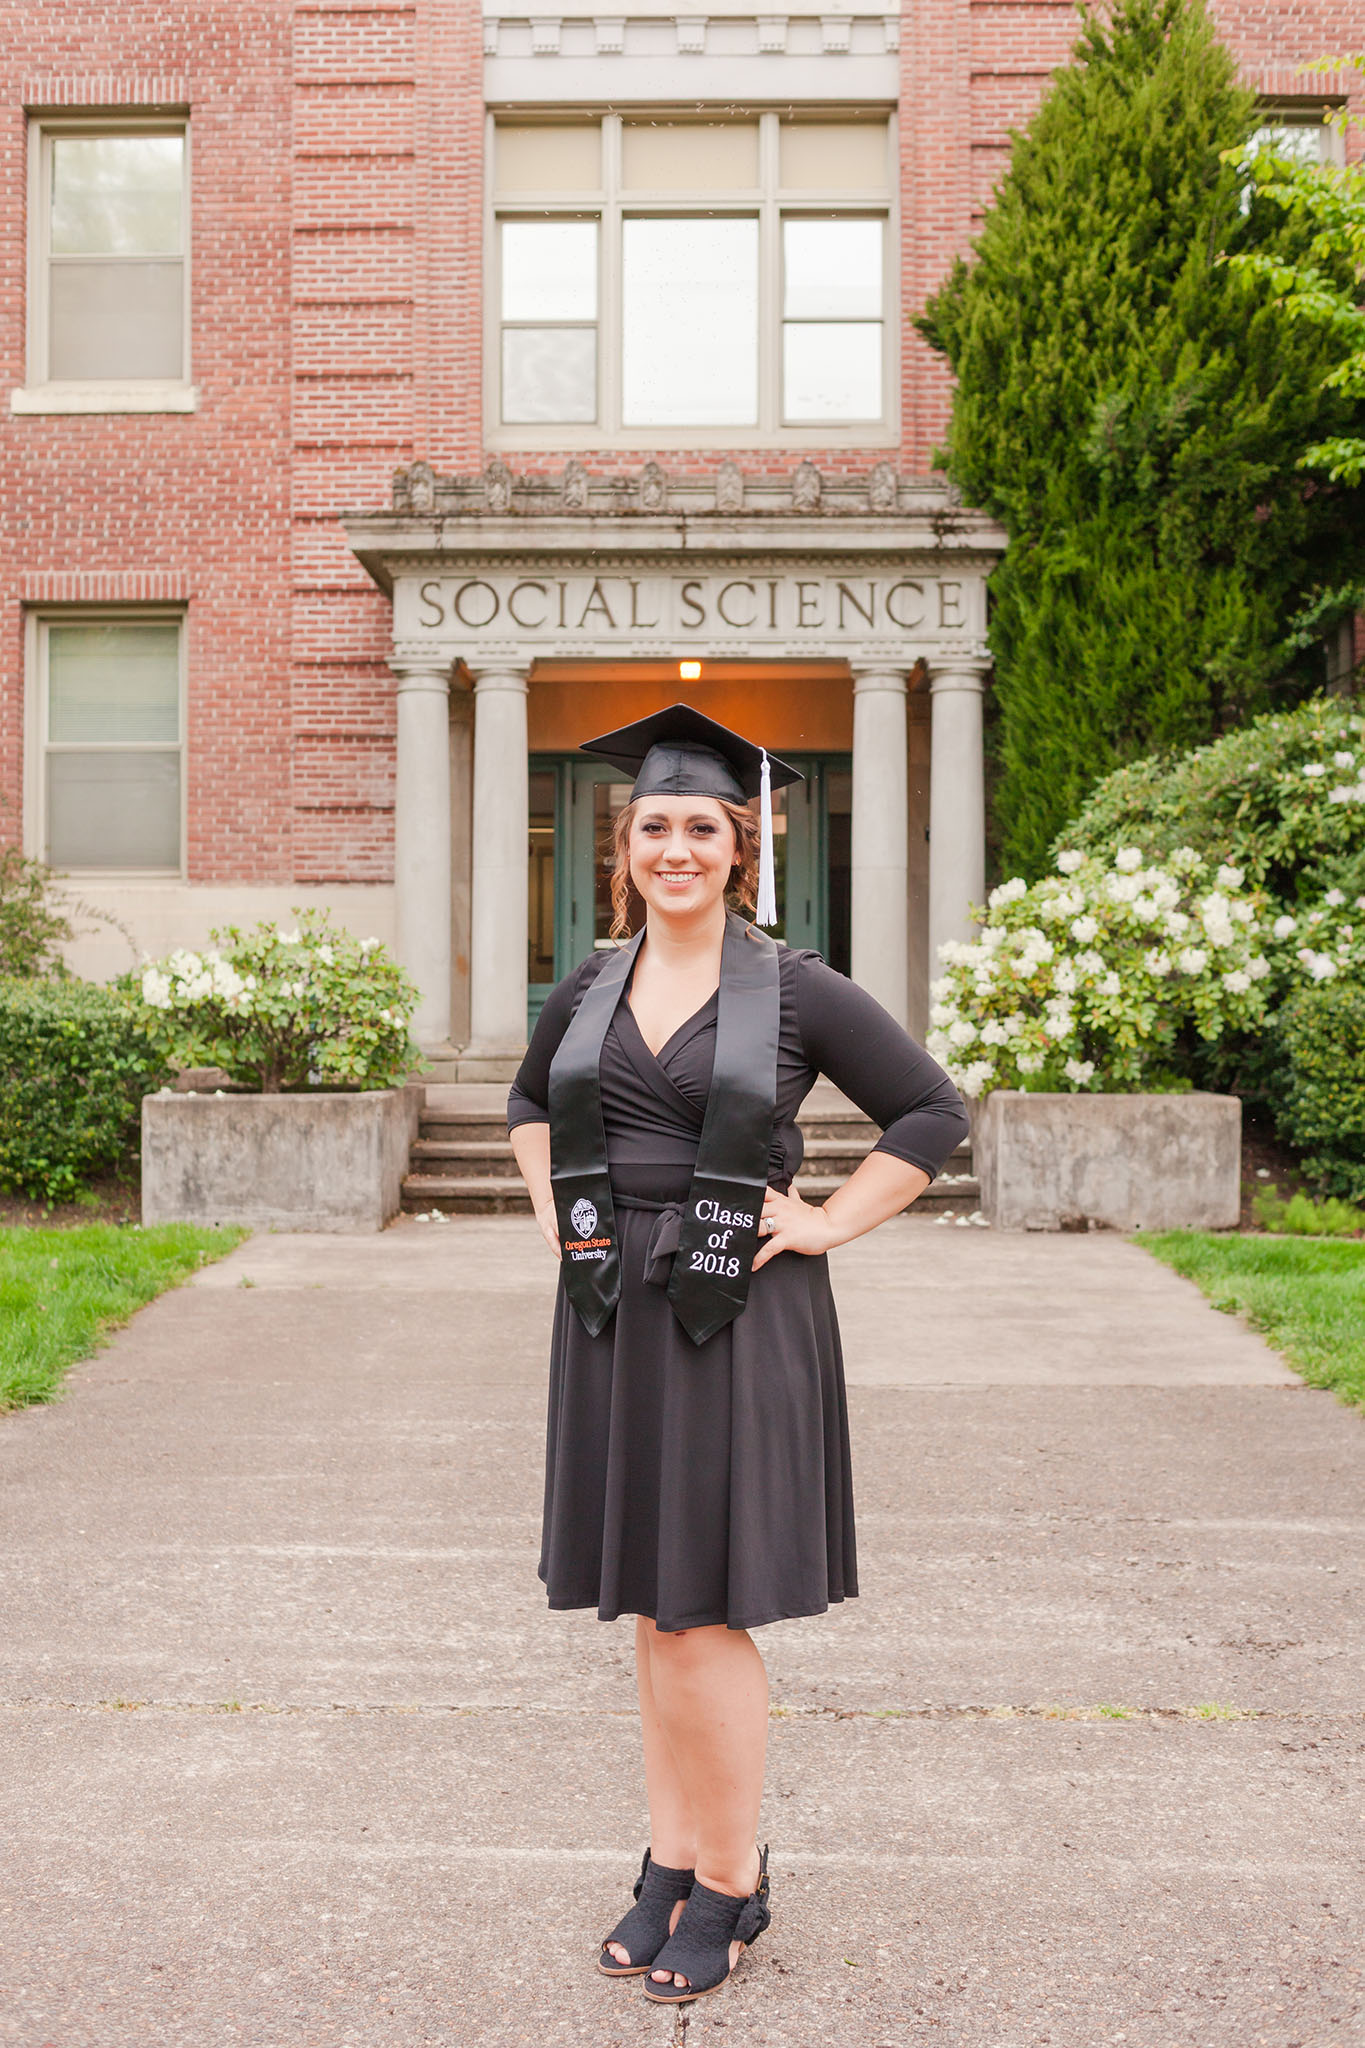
x=336 y=273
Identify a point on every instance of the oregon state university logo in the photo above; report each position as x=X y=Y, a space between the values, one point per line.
x=584 y=1218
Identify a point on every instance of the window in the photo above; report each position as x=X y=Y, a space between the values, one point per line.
x=109 y=714
x=685 y=274
x=110 y=237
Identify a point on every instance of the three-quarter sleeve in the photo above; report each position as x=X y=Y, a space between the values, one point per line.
x=529 y=1099
x=858 y=1045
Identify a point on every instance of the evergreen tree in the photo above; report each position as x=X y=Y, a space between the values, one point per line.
x=1132 y=408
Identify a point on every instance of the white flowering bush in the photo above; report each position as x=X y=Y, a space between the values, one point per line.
x=308 y=1006
x=1092 y=978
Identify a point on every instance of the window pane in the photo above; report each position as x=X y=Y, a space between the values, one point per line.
x=832 y=371
x=833 y=156
x=540 y=953
x=689 y=156
x=690 y=323
x=116 y=195
x=1304 y=143
x=549 y=373
x=113 y=810
x=549 y=270
x=547 y=160
x=116 y=320
x=832 y=269
x=114 y=682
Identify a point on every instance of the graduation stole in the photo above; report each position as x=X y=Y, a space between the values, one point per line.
x=709 y=1284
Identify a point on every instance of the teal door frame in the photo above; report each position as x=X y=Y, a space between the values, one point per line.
x=802 y=852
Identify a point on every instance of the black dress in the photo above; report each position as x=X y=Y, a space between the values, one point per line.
x=709 y=1484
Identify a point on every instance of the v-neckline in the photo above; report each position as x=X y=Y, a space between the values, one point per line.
x=684 y=1031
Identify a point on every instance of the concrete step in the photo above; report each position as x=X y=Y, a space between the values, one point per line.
x=454 y=1155
x=466 y=1195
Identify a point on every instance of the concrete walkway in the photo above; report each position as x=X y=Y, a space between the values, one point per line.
x=291 y=1754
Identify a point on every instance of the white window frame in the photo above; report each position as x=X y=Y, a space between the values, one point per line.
x=38 y=745
x=610 y=205
x=1306 y=113
x=41 y=393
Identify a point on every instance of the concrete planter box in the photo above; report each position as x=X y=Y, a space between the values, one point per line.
x=1116 y=1162
x=278 y=1162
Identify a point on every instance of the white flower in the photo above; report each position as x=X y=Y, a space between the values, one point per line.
x=1064 y=978
x=1145 y=909
x=1158 y=963
x=1122 y=888
x=1177 y=923
x=1282 y=927
x=368 y=945
x=1165 y=895
x=1192 y=960
x=1344 y=793
x=1334 y=897
x=942 y=1014
x=1085 y=929
x=1058 y=1017
x=993 y=1032
x=156 y=989
x=1312 y=769
x=325 y=954
x=1229 y=877
x=1184 y=857
x=1245 y=913
x=962 y=1033
x=1069 y=860
x=972 y=1079
x=1110 y=986
x=1320 y=965
x=1014 y=1024
x=1079 y=1071
x=1090 y=963
x=289 y=938
x=1029 y=1062
x=1258 y=967
x=1008 y=892
x=1343 y=759
x=1128 y=858
x=1237 y=982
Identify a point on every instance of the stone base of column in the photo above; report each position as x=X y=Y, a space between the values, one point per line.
x=440 y=1059
x=489 y=1063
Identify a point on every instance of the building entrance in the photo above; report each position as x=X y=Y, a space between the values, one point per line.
x=573 y=808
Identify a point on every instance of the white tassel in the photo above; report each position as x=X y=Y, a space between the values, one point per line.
x=766 y=912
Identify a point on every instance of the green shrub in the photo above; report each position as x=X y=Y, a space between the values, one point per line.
x=1282 y=798
x=75 y=1063
x=1323 y=1109
x=1301 y=1216
x=32 y=927
x=308 y=1007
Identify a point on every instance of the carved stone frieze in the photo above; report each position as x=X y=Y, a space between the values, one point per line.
x=497 y=486
x=729 y=488
x=653 y=489
x=575 y=486
x=806 y=488
x=881 y=489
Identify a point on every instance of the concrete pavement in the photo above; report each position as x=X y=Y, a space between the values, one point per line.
x=292 y=1755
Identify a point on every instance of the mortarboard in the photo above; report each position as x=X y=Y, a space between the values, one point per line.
x=681 y=752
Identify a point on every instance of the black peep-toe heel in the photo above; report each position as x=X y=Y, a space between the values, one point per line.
x=644 y=1929
x=699 y=1947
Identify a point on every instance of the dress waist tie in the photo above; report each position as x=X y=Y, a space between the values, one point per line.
x=664 y=1238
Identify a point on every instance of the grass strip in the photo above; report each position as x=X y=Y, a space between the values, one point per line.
x=1306 y=1295
x=63 y=1291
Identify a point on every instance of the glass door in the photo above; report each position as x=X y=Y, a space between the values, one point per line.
x=574 y=806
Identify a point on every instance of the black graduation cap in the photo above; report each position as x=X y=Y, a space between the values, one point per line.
x=681 y=752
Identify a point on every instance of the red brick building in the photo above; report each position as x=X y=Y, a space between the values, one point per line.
x=399 y=395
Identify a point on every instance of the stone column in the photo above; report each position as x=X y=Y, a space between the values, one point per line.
x=957 y=798
x=421 y=831
x=498 y=911
x=880 y=837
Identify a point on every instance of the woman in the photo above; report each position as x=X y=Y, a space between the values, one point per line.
x=697 y=1471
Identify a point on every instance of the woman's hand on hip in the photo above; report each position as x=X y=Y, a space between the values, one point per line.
x=549 y=1225
x=789 y=1224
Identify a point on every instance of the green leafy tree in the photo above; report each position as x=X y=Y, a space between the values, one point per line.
x=1133 y=409
x=1327 y=283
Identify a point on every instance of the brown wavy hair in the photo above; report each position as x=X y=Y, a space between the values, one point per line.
x=627 y=904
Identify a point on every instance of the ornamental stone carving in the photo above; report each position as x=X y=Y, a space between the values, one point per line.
x=729 y=487
x=418 y=487
x=497 y=487
x=653 y=489
x=575 y=487
x=881 y=489
x=806 y=488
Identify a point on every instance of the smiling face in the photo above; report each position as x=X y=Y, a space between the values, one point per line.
x=682 y=851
